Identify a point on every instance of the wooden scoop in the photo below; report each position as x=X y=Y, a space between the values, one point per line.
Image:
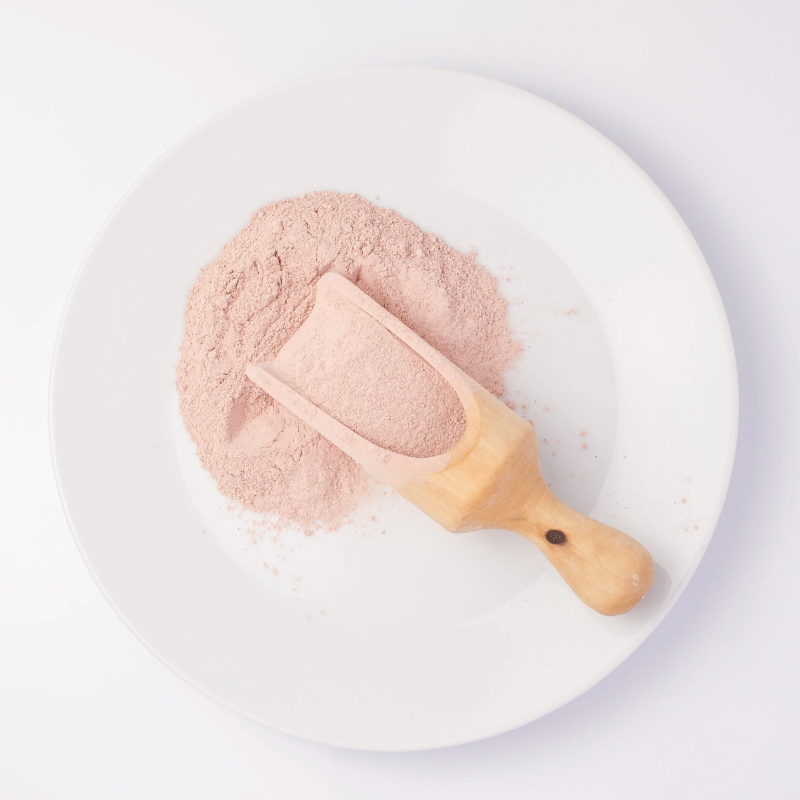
x=490 y=479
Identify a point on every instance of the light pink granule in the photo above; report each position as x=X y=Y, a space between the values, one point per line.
x=249 y=301
x=349 y=365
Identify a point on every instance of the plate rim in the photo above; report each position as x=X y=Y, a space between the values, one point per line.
x=733 y=391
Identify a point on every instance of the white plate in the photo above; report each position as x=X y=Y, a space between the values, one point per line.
x=394 y=635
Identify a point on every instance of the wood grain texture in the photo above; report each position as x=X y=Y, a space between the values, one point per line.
x=490 y=479
x=497 y=483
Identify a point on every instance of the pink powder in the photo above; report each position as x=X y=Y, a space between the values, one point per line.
x=256 y=294
x=349 y=365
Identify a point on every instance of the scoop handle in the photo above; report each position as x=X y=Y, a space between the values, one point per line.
x=609 y=570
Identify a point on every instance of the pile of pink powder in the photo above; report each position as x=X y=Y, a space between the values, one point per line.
x=350 y=366
x=254 y=296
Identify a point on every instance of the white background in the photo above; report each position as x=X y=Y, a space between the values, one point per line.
x=704 y=95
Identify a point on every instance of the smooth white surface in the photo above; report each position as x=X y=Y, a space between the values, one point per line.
x=407 y=638
x=704 y=100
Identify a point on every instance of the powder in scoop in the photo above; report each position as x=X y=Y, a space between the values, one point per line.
x=349 y=365
x=249 y=301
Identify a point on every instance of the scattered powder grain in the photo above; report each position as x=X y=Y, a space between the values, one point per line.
x=256 y=294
